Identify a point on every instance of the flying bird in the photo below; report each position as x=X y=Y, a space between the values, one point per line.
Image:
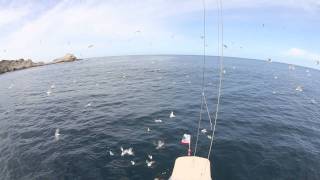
x=149 y=163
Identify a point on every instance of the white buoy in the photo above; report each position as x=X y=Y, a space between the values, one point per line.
x=158 y=120
x=172 y=115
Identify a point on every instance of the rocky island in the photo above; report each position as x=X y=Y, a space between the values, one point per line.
x=13 y=65
x=66 y=58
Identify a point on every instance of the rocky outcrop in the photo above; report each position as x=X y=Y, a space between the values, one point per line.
x=66 y=58
x=13 y=65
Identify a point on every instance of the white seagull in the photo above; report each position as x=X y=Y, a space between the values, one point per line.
x=57 y=134
x=49 y=92
x=172 y=115
x=204 y=131
x=126 y=151
x=111 y=153
x=149 y=163
x=160 y=144
x=299 y=88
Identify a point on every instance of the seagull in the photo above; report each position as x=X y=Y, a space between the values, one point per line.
x=149 y=163
x=269 y=60
x=111 y=153
x=275 y=77
x=49 y=92
x=313 y=101
x=126 y=151
x=224 y=71
x=204 y=131
x=132 y=163
x=11 y=86
x=88 y=105
x=158 y=120
x=148 y=129
x=150 y=156
x=292 y=67
x=57 y=134
x=160 y=144
x=225 y=46
x=299 y=88
x=90 y=46
x=52 y=86
x=172 y=115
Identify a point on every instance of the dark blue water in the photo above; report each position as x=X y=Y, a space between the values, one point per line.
x=266 y=129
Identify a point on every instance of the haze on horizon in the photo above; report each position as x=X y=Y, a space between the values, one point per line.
x=285 y=31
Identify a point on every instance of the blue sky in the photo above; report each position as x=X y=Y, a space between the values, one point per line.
x=44 y=30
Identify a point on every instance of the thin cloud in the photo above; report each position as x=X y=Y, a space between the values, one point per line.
x=11 y=15
x=301 y=53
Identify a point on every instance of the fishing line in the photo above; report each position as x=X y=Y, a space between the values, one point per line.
x=220 y=77
x=203 y=73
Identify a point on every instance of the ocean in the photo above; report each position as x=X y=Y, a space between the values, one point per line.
x=268 y=125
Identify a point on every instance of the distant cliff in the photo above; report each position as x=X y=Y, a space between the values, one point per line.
x=13 y=65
